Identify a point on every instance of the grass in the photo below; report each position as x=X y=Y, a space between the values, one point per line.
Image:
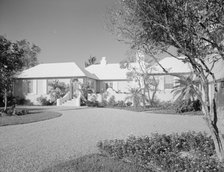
x=95 y=163
x=33 y=116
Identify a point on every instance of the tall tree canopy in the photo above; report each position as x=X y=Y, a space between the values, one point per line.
x=14 y=57
x=194 y=28
x=30 y=53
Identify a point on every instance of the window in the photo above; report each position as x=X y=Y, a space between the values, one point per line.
x=168 y=82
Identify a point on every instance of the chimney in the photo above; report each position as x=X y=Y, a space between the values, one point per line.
x=103 y=61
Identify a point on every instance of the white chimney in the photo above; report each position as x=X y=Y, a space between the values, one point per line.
x=103 y=61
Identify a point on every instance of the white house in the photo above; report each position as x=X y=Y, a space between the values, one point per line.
x=32 y=83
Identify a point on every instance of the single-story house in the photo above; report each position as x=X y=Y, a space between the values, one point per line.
x=34 y=82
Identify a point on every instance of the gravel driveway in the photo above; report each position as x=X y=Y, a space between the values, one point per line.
x=32 y=147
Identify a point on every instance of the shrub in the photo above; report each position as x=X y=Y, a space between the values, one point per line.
x=187 y=106
x=21 y=112
x=103 y=103
x=57 y=90
x=121 y=103
x=166 y=105
x=13 y=111
x=185 y=152
x=44 y=101
x=111 y=101
x=22 y=101
x=129 y=103
x=92 y=103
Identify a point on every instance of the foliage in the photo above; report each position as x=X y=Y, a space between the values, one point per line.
x=30 y=53
x=187 y=88
x=10 y=63
x=129 y=103
x=95 y=163
x=135 y=96
x=180 y=106
x=22 y=101
x=121 y=103
x=187 y=106
x=13 y=58
x=92 y=103
x=85 y=90
x=194 y=28
x=111 y=101
x=14 y=112
x=140 y=72
x=32 y=116
x=57 y=90
x=44 y=101
x=185 y=152
x=104 y=103
x=91 y=60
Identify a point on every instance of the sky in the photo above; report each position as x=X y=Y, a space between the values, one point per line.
x=65 y=30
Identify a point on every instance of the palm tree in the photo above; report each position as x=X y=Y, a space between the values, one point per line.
x=91 y=60
x=135 y=96
x=187 y=88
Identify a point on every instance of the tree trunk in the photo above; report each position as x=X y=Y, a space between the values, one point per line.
x=5 y=100
x=217 y=139
x=211 y=117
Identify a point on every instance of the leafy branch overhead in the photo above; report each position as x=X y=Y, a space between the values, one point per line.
x=194 y=28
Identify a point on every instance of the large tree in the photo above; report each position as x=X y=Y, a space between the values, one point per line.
x=14 y=57
x=194 y=28
x=10 y=63
x=30 y=53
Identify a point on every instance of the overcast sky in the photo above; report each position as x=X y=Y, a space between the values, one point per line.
x=65 y=30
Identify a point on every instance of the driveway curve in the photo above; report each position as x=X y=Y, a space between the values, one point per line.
x=35 y=146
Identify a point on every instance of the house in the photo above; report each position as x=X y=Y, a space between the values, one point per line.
x=113 y=76
x=34 y=82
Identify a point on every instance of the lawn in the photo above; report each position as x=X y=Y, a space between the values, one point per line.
x=33 y=116
x=95 y=163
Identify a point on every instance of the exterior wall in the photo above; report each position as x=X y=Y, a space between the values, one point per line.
x=39 y=88
x=164 y=93
x=165 y=87
x=92 y=83
x=30 y=92
x=119 y=86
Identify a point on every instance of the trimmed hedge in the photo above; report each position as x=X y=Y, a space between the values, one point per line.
x=185 y=152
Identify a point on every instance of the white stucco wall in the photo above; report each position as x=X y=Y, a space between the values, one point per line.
x=39 y=87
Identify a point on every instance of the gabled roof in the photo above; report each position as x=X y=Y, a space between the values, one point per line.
x=114 y=72
x=55 y=70
x=108 y=71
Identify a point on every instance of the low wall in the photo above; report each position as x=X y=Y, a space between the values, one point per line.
x=107 y=95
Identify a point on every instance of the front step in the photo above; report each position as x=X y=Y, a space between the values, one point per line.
x=72 y=102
